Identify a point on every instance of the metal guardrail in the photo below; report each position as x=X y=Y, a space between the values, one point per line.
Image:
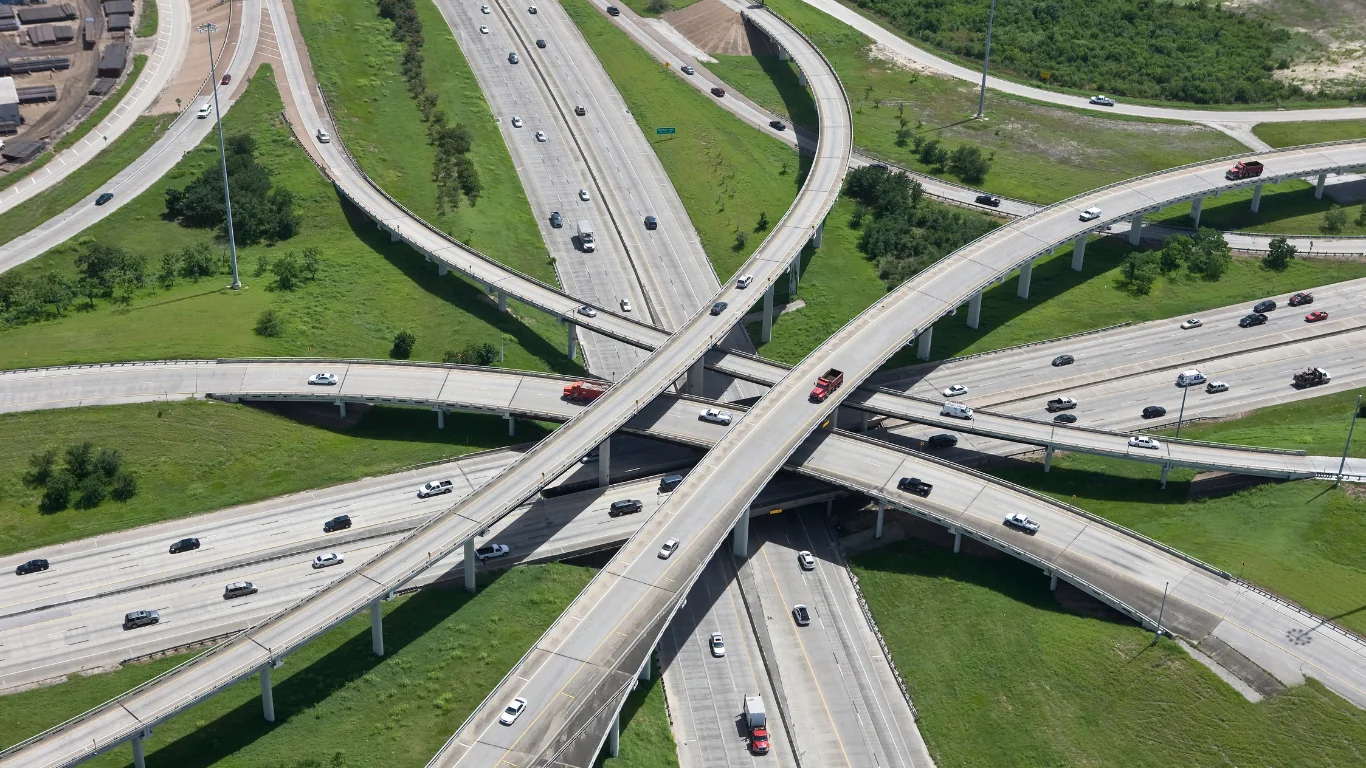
x=407 y=364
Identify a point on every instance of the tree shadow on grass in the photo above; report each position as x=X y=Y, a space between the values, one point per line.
x=298 y=693
x=457 y=291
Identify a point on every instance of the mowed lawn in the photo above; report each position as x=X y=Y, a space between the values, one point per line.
x=368 y=289
x=1293 y=134
x=336 y=703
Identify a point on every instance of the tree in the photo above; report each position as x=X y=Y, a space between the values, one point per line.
x=658 y=6
x=741 y=237
x=56 y=289
x=110 y=461
x=198 y=261
x=57 y=494
x=1279 y=254
x=80 y=460
x=1334 y=221
x=1175 y=253
x=170 y=267
x=259 y=211
x=10 y=284
x=125 y=486
x=1361 y=216
x=762 y=225
x=312 y=260
x=1210 y=255
x=932 y=154
x=403 y=345
x=968 y=163
x=484 y=354
x=40 y=467
x=93 y=491
x=1140 y=270
x=103 y=266
x=288 y=273
x=270 y=323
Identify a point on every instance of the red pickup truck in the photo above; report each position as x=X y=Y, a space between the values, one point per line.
x=827 y=383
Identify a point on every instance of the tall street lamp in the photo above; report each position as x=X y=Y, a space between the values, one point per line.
x=208 y=29
x=982 y=99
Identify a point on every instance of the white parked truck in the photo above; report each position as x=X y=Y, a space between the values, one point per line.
x=754 y=713
x=586 y=236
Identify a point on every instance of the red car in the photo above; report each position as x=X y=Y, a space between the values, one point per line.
x=226 y=79
x=1314 y=317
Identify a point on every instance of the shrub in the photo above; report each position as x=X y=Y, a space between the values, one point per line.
x=1279 y=254
x=270 y=323
x=41 y=466
x=658 y=6
x=403 y=346
x=473 y=354
x=125 y=486
x=80 y=460
x=57 y=495
x=93 y=491
x=1334 y=221
x=968 y=163
x=110 y=461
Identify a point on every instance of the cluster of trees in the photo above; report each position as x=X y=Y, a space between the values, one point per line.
x=453 y=170
x=86 y=477
x=1335 y=220
x=1205 y=255
x=476 y=353
x=292 y=270
x=260 y=211
x=902 y=232
x=1201 y=52
x=968 y=162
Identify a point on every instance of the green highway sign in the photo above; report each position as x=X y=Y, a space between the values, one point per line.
x=662 y=131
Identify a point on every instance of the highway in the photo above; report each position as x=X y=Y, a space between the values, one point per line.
x=184 y=134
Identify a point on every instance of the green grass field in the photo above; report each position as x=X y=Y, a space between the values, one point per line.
x=357 y=63
x=1318 y=426
x=1042 y=153
x=147 y=20
x=367 y=291
x=1062 y=301
x=642 y=7
x=646 y=740
x=1293 y=134
x=336 y=703
x=198 y=456
x=1004 y=675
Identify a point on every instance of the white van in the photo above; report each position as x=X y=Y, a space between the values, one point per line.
x=956 y=410
x=1190 y=378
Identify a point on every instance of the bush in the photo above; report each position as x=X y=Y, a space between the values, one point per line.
x=93 y=491
x=403 y=346
x=484 y=354
x=125 y=486
x=658 y=6
x=80 y=460
x=270 y=323
x=57 y=495
x=110 y=461
x=1334 y=221
x=1279 y=254
x=968 y=163
x=41 y=466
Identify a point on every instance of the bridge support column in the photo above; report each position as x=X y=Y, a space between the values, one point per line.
x=922 y=343
x=975 y=310
x=647 y=668
x=696 y=378
x=1166 y=468
x=469 y=565
x=1053 y=581
x=801 y=77
x=376 y=628
x=139 y=760
x=614 y=737
x=605 y=463
x=740 y=536
x=881 y=512
x=1078 y=253
x=1026 y=273
x=440 y=418
x=1196 y=204
x=1256 y=198
x=341 y=409
x=1135 y=229
x=1048 y=458
x=393 y=236
x=1318 y=188
x=766 y=330
x=783 y=55
x=442 y=270
x=818 y=234
x=267 y=694
x=957 y=540
x=512 y=424
x=502 y=302
x=794 y=275
x=573 y=340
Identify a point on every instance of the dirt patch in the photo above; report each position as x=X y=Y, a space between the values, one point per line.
x=193 y=73
x=716 y=28
x=1330 y=46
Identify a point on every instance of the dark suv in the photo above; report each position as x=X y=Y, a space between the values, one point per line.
x=1256 y=318
x=914 y=485
x=991 y=200
x=624 y=507
x=338 y=523
x=32 y=566
x=942 y=441
x=1264 y=306
x=140 y=619
x=669 y=482
x=184 y=545
x=612 y=10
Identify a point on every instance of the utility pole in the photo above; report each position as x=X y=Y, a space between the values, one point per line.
x=1182 y=413
x=986 y=60
x=1158 y=633
x=208 y=29
x=1343 y=464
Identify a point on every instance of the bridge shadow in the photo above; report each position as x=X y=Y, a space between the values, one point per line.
x=797 y=100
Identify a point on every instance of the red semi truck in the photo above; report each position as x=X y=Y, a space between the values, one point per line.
x=1245 y=170
x=827 y=383
x=584 y=391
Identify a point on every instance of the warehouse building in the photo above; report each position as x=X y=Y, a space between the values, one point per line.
x=118 y=7
x=9 y=106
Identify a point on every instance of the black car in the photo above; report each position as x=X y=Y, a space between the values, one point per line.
x=1066 y=418
x=1264 y=306
x=994 y=202
x=777 y=125
x=1063 y=360
x=556 y=220
x=942 y=441
x=338 y=523
x=540 y=43
x=136 y=619
x=612 y=10
x=669 y=482
x=32 y=566
x=184 y=545
x=624 y=507
x=1256 y=318
x=651 y=222
x=879 y=166
x=104 y=198
x=914 y=485
x=1154 y=411
x=718 y=92
x=719 y=307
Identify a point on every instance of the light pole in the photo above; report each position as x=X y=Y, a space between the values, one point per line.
x=1157 y=634
x=1343 y=464
x=208 y=29
x=982 y=99
x=1181 y=414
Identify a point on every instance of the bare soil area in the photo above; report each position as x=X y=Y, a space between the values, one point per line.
x=194 y=70
x=716 y=28
x=1330 y=51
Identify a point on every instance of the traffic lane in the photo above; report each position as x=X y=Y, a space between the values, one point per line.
x=69 y=386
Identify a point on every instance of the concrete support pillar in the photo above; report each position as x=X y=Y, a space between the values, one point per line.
x=1166 y=469
x=829 y=507
x=376 y=628
x=267 y=694
x=697 y=378
x=794 y=275
x=469 y=566
x=605 y=463
x=957 y=540
x=512 y=424
x=440 y=418
x=1052 y=581
x=1135 y=229
x=783 y=55
x=975 y=310
x=863 y=421
x=881 y=512
x=614 y=737
x=922 y=344
x=341 y=409
x=139 y=760
x=1318 y=188
x=1256 y=198
x=801 y=78
x=502 y=302
x=1026 y=273
x=740 y=536
x=647 y=668
x=442 y=269
x=1078 y=253
x=1196 y=205
x=393 y=236
x=766 y=330
x=818 y=235
x=573 y=340
x=1048 y=458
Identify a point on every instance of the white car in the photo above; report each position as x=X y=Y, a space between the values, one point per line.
x=670 y=547
x=718 y=645
x=517 y=121
x=955 y=390
x=716 y=416
x=540 y=136
x=1142 y=441
x=587 y=311
x=1089 y=214
x=583 y=195
x=806 y=560
x=484 y=9
x=744 y=281
x=514 y=710
x=323 y=138
x=435 y=488
x=323 y=379
x=483 y=30
x=204 y=112
x=1194 y=322
x=331 y=558
x=491 y=551
x=531 y=9
x=625 y=305
x=1104 y=101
